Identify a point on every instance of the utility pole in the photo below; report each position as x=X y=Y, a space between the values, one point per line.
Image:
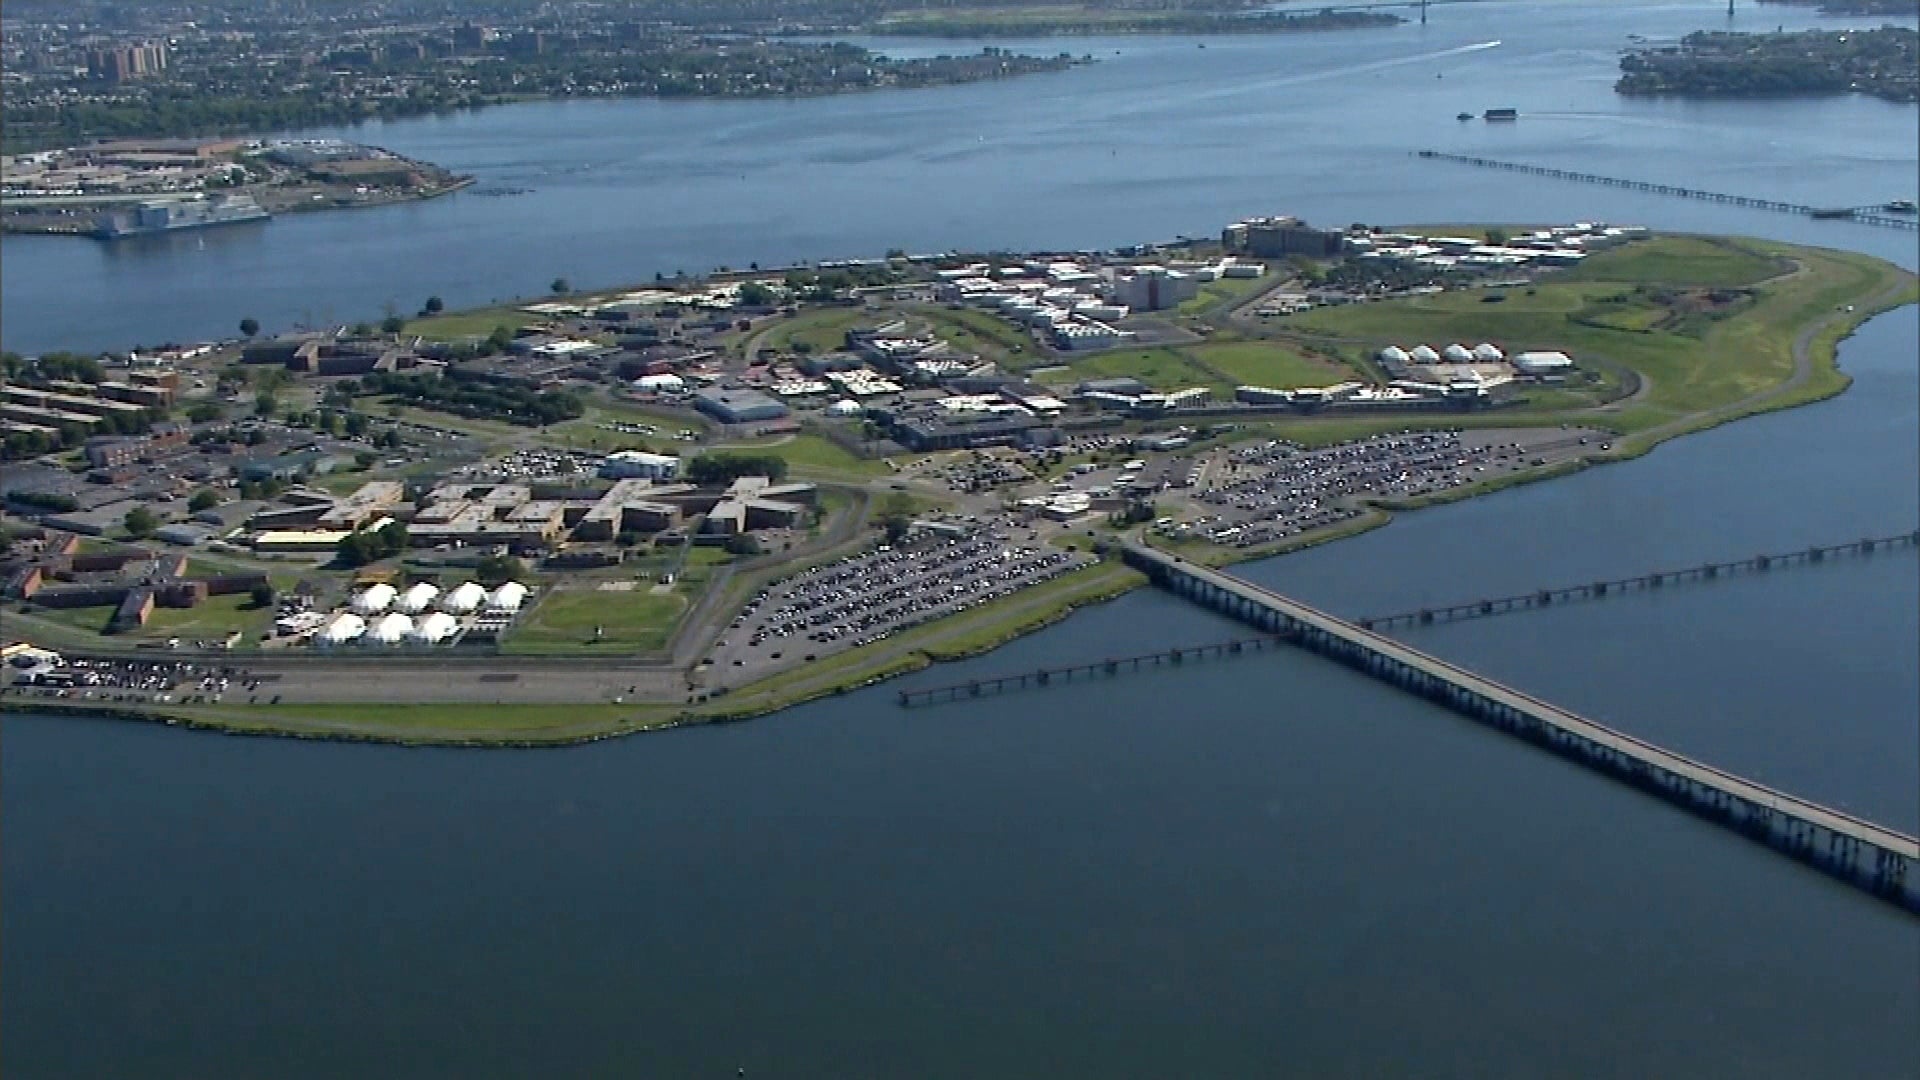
x=1729 y=9
x=1423 y=10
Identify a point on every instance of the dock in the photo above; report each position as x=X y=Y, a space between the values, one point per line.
x=1878 y=860
x=1860 y=215
x=1658 y=579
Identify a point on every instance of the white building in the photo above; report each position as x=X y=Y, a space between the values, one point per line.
x=507 y=598
x=344 y=628
x=390 y=630
x=435 y=628
x=463 y=599
x=665 y=383
x=418 y=598
x=1542 y=363
x=629 y=464
x=374 y=600
x=1153 y=288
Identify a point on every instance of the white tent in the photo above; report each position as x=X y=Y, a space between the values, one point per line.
x=845 y=407
x=1424 y=354
x=390 y=630
x=1394 y=354
x=342 y=629
x=435 y=628
x=660 y=384
x=1542 y=363
x=507 y=597
x=374 y=600
x=1487 y=353
x=418 y=598
x=463 y=599
x=1458 y=354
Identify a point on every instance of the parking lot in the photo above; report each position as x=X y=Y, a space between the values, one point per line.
x=1275 y=489
x=864 y=598
x=131 y=680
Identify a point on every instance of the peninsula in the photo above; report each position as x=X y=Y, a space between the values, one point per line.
x=1884 y=63
x=130 y=187
x=709 y=498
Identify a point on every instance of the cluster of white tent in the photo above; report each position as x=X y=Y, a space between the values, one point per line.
x=1483 y=353
x=413 y=622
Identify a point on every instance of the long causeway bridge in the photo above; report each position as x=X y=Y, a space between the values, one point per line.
x=1862 y=215
x=1500 y=605
x=1871 y=857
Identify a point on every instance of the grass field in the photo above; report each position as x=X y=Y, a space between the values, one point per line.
x=1224 y=292
x=815 y=455
x=1276 y=364
x=823 y=330
x=636 y=620
x=477 y=323
x=1682 y=260
x=1161 y=369
x=978 y=332
x=1694 y=365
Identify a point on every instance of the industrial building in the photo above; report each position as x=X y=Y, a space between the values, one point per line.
x=1279 y=237
x=738 y=405
x=630 y=464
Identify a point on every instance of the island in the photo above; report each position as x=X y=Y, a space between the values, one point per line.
x=1884 y=63
x=1855 y=7
x=133 y=187
x=705 y=498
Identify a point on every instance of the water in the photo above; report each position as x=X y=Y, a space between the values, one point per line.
x=1158 y=139
x=1262 y=865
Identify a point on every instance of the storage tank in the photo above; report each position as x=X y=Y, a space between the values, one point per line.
x=344 y=628
x=418 y=598
x=507 y=598
x=463 y=599
x=435 y=628
x=374 y=600
x=390 y=630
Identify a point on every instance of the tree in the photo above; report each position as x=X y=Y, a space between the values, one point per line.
x=361 y=329
x=392 y=324
x=204 y=499
x=141 y=523
x=1497 y=237
x=896 y=516
x=754 y=294
x=249 y=326
x=501 y=337
x=560 y=287
x=496 y=570
x=205 y=412
x=742 y=544
x=434 y=305
x=261 y=595
x=265 y=405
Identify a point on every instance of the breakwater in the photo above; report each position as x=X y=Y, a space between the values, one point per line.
x=1106 y=668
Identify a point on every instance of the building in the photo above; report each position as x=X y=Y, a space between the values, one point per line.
x=628 y=464
x=1542 y=363
x=1278 y=237
x=756 y=502
x=371 y=502
x=738 y=405
x=121 y=63
x=1153 y=288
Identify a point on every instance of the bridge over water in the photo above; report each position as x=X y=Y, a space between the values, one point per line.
x=1879 y=860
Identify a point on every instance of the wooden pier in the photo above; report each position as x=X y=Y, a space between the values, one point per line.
x=1099 y=669
x=1862 y=215
x=1659 y=579
x=1882 y=862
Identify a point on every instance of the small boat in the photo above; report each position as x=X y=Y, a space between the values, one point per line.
x=1464 y=117
x=1902 y=206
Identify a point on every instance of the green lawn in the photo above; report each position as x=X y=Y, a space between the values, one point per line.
x=1160 y=369
x=638 y=620
x=1681 y=260
x=477 y=323
x=978 y=332
x=814 y=454
x=1274 y=364
x=823 y=329
x=213 y=618
x=1224 y=293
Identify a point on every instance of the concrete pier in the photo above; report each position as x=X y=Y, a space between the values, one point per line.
x=1881 y=861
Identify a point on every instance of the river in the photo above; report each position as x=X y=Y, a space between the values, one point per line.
x=1255 y=866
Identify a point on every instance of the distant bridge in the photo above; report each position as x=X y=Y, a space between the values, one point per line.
x=1858 y=215
x=1540 y=598
x=1876 y=859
